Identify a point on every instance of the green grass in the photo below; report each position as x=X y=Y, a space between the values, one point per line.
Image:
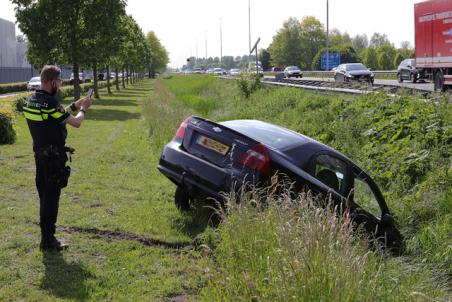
x=114 y=186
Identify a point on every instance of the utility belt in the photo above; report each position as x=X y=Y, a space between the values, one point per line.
x=53 y=160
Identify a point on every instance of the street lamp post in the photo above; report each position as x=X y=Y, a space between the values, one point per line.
x=327 y=37
x=221 y=44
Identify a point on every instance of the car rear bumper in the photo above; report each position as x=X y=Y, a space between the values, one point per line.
x=199 y=176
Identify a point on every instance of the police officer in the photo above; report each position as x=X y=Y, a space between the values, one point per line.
x=47 y=120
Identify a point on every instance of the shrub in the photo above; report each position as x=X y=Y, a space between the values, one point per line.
x=13 y=87
x=249 y=84
x=7 y=133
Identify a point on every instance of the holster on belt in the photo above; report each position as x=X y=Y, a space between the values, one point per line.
x=54 y=159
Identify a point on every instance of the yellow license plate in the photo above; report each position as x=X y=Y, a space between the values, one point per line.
x=213 y=145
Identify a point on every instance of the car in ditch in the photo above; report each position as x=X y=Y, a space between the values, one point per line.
x=353 y=72
x=206 y=159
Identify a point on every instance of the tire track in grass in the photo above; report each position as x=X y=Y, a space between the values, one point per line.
x=119 y=235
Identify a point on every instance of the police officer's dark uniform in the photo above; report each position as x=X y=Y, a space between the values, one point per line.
x=46 y=120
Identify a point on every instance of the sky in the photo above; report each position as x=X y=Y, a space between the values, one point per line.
x=184 y=26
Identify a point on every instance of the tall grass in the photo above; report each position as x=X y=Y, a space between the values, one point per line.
x=292 y=250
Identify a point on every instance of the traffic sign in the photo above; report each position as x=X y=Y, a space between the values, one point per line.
x=333 y=61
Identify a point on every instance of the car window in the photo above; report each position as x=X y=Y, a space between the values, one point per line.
x=364 y=197
x=352 y=67
x=271 y=135
x=331 y=171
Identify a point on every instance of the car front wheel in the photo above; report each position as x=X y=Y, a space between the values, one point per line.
x=399 y=78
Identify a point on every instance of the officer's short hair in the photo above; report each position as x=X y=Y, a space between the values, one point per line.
x=50 y=73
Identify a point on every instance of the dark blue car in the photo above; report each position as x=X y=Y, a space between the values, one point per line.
x=207 y=159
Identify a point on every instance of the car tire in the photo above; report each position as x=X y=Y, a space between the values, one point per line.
x=439 y=82
x=182 y=199
x=399 y=78
x=414 y=77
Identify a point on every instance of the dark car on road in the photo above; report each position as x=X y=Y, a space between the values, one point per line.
x=207 y=159
x=353 y=72
x=293 y=71
x=407 y=71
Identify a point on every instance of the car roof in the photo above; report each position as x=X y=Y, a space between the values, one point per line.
x=301 y=143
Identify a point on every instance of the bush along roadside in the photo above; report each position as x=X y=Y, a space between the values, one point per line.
x=13 y=87
x=7 y=133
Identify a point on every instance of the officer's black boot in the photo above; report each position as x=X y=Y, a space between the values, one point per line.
x=51 y=244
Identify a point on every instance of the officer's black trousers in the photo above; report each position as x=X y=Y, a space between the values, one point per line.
x=49 y=197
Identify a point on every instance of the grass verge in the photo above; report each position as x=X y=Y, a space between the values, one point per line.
x=114 y=187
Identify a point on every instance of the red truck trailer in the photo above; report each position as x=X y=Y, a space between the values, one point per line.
x=433 y=41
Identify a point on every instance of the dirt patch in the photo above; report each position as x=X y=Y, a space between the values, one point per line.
x=178 y=298
x=118 y=235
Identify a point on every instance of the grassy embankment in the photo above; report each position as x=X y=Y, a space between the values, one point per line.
x=405 y=144
x=114 y=187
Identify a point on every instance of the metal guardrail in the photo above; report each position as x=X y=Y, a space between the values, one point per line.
x=331 y=73
x=333 y=86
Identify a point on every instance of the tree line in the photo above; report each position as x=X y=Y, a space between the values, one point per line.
x=91 y=34
x=302 y=43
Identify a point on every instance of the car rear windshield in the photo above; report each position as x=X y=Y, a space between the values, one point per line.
x=355 y=67
x=271 y=135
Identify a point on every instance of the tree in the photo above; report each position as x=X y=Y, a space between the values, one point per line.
x=285 y=48
x=384 y=61
x=159 y=55
x=104 y=32
x=370 y=58
x=20 y=38
x=398 y=59
x=312 y=38
x=228 y=62
x=360 y=42
x=339 y=40
x=379 y=39
x=390 y=51
x=264 y=57
x=57 y=31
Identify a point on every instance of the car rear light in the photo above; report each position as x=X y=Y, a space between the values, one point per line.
x=256 y=159
x=180 y=133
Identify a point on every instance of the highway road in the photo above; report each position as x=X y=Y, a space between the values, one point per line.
x=426 y=86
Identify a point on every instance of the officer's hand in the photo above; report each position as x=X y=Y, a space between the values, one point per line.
x=79 y=103
x=87 y=102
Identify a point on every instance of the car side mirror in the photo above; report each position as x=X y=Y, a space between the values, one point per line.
x=387 y=220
